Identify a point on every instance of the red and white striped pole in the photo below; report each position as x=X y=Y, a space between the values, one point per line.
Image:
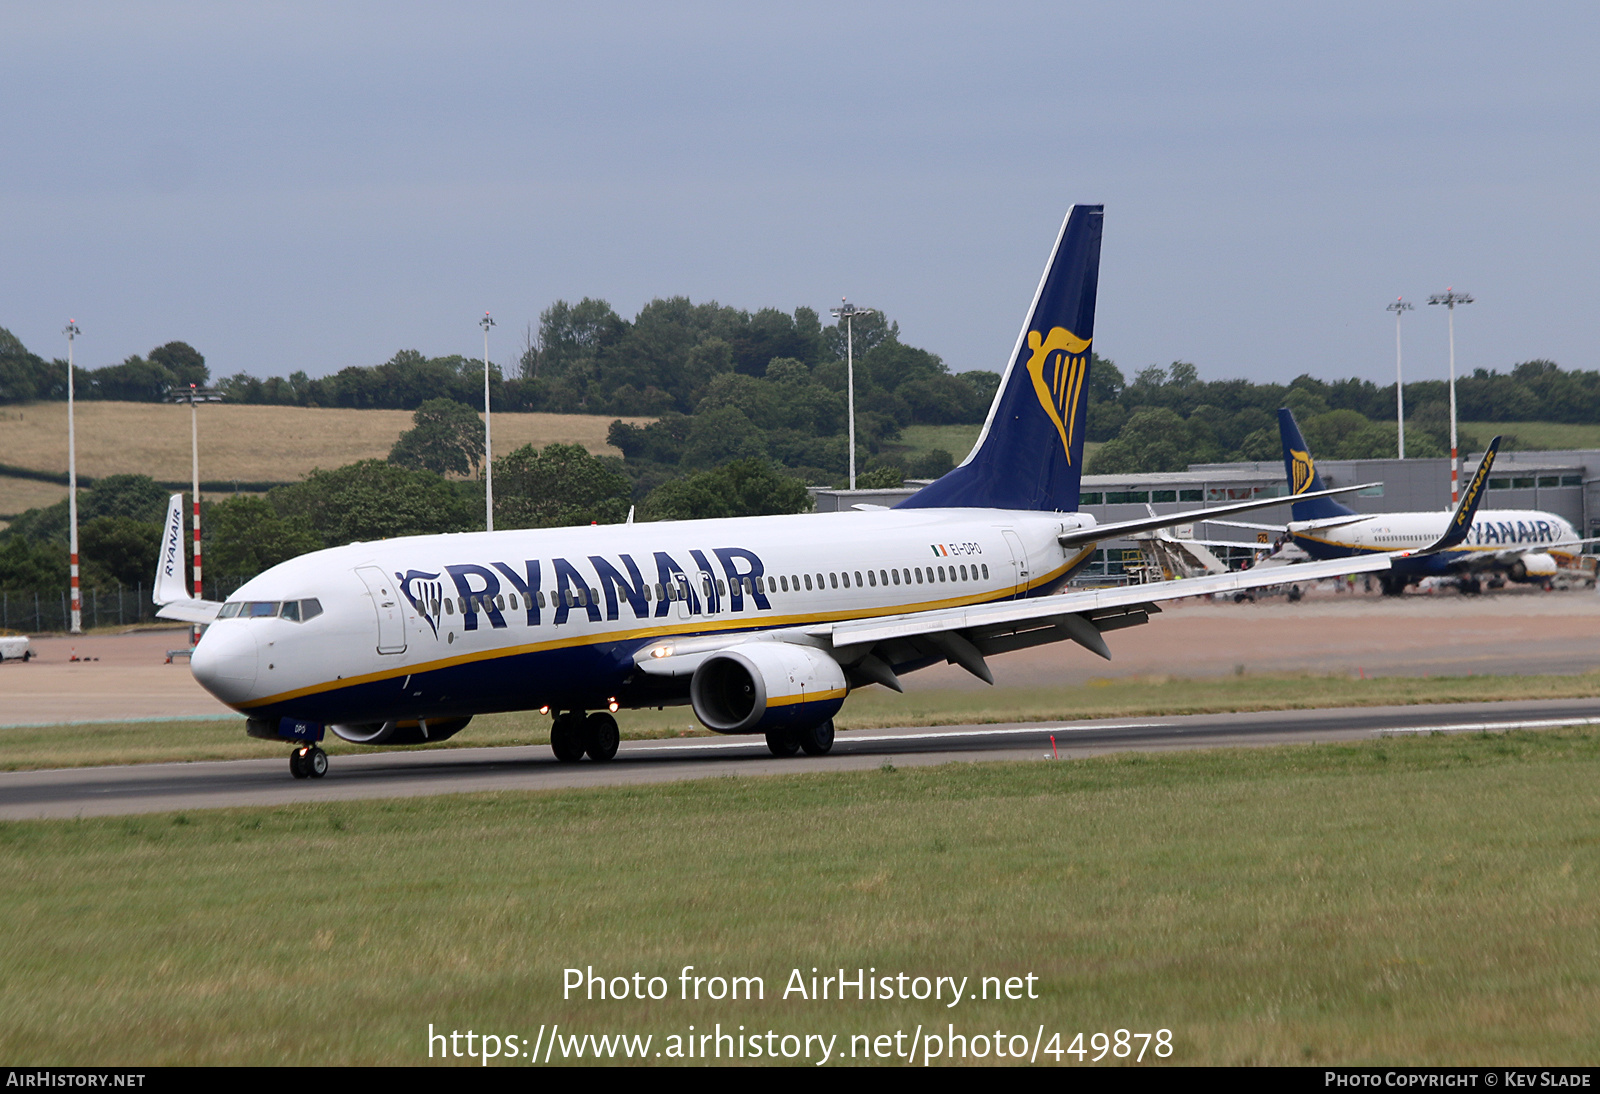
x=194 y=442
x=1450 y=298
x=72 y=332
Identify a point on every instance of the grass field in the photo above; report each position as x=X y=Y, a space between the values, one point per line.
x=20 y=495
x=1420 y=900
x=248 y=443
x=1537 y=436
x=27 y=747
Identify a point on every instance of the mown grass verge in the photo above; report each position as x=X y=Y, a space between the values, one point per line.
x=1418 y=900
x=32 y=747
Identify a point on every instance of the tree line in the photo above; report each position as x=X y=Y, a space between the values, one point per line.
x=121 y=516
x=1168 y=418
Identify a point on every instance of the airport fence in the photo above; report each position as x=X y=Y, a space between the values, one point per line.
x=46 y=611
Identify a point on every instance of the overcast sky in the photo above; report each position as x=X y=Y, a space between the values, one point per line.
x=313 y=186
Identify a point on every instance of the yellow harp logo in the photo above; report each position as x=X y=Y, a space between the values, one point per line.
x=1304 y=470
x=1058 y=367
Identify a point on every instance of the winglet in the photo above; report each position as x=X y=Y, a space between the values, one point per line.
x=175 y=601
x=170 y=570
x=1461 y=522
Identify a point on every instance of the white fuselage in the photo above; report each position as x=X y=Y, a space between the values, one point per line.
x=449 y=625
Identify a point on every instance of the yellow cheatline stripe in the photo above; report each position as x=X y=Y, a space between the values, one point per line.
x=1459 y=549
x=809 y=697
x=690 y=627
x=695 y=627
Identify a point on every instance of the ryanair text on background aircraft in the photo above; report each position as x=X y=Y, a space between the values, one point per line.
x=1521 y=544
x=761 y=624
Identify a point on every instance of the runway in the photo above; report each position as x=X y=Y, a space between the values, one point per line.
x=150 y=788
x=1514 y=632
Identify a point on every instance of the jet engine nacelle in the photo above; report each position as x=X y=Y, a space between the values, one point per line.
x=1534 y=566
x=409 y=731
x=762 y=686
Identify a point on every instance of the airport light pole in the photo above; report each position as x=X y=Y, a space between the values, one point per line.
x=1450 y=298
x=194 y=454
x=1399 y=307
x=72 y=332
x=488 y=447
x=848 y=311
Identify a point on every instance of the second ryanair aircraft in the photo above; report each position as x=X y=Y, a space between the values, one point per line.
x=1519 y=544
x=762 y=624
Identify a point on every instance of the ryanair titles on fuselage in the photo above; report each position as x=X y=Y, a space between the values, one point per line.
x=1515 y=533
x=721 y=580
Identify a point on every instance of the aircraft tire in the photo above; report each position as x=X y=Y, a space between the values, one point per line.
x=600 y=736
x=781 y=742
x=316 y=763
x=566 y=738
x=297 y=766
x=817 y=740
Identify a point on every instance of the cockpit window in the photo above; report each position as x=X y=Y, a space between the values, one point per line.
x=296 y=611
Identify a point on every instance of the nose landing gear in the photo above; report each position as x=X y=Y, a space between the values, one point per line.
x=308 y=762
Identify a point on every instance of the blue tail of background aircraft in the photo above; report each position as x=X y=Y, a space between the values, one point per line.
x=1030 y=453
x=1302 y=472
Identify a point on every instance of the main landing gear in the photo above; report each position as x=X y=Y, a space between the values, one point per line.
x=308 y=762
x=574 y=735
x=815 y=740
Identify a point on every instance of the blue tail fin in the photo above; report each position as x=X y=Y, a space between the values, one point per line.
x=1030 y=453
x=1302 y=472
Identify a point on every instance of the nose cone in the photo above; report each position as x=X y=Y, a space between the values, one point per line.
x=225 y=662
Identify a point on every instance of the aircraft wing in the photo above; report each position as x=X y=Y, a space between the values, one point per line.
x=1246 y=545
x=1279 y=528
x=1087 y=600
x=190 y=610
x=875 y=650
x=1094 y=533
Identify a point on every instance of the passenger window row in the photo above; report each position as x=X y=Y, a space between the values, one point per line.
x=921 y=575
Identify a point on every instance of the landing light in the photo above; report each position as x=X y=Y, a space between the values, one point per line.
x=544 y=710
x=661 y=651
x=612 y=706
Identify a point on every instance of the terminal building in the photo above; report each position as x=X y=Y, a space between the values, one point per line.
x=1566 y=483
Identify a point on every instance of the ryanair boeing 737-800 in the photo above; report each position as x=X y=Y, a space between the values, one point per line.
x=762 y=624
x=1518 y=544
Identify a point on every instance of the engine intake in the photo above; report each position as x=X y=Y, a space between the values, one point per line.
x=762 y=686
x=1533 y=566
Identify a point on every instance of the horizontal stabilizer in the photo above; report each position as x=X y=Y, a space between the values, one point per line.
x=1094 y=533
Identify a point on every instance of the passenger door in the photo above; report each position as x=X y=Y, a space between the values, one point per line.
x=386 y=604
